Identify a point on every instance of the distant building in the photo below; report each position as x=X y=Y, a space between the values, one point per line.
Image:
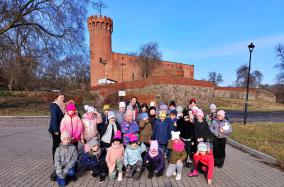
x=116 y=67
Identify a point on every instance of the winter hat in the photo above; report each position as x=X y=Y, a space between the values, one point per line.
x=133 y=138
x=163 y=107
x=221 y=113
x=89 y=109
x=202 y=147
x=173 y=112
x=163 y=115
x=122 y=104
x=153 y=151
x=93 y=142
x=144 y=115
x=179 y=109
x=117 y=136
x=106 y=107
x=175 y=135
x=200 y=113
x=110 y=115
x=70 y=106
x=192 y=100
x=65 y=134
x=213 y=107
x=152 y=103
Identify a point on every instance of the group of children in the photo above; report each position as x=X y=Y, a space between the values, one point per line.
x=137 y=137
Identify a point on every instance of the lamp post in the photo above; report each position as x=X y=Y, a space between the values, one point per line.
x=104 y=62
x=122 y=64
x=251 y=47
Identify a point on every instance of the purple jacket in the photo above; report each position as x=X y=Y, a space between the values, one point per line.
x=158 y=161
x=127 y=129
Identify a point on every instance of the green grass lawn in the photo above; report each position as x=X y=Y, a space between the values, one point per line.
x=265 y=137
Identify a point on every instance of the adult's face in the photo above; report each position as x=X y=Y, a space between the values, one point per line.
x=61 y=98
x=122 y=109
x=133 y=101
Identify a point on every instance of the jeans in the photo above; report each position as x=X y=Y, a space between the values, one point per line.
x=62 y=181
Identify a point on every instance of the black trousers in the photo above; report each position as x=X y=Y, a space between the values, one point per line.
x=150 y=167
x=219 y=145
x=55 y=143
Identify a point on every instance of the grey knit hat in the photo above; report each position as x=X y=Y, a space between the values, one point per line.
x=65 y=134
x=93 y=142
x=213 y=107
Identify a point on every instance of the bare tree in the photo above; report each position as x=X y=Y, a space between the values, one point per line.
x=242 y=77
x=215 y=77
x=280 y=55
x=149 y=56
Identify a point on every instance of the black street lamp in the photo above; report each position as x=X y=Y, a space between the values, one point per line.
x=251 y=47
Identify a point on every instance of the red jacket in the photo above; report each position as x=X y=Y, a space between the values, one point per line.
x=207 y=160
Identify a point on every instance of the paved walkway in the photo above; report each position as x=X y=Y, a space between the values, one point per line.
x=25 y=152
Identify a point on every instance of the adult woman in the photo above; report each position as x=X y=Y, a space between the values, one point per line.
x=57 y=109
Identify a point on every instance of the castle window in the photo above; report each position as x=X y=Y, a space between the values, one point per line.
x=98 y=24
x=133 y=76
x=103 y=25
x=122 y=58
x=93 y=24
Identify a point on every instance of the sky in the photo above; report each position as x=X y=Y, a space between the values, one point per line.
x=211 y=35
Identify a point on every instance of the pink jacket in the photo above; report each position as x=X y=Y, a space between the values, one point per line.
x=90 y=128
x=114 y=153
x=72 y=125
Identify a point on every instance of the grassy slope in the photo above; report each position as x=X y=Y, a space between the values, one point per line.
x=265 y=137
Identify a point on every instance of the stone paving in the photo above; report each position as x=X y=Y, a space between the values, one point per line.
x=25 y=152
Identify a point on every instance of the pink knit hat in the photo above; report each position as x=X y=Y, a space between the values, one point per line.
x=70 y=106
x=221 y=113
x=133 y=138
x=117 y=136
x=154 y=148
x=200 y=113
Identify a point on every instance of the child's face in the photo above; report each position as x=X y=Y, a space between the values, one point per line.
x=129 y=117
x=144 y=109
x=220 y=118
x=152 y=112
x=116 y=143
x=199 y=118
x=202 y=153
x=112 y=120
x=134 y=144
x=173 y=116
x=71 y=112
x=65 y=141
x=95 y=148
x=106 y=112
x=122 y=109
x=212 y=111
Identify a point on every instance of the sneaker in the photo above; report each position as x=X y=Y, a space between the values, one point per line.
x=150 y=175
x=102 y=178
x=53 y=176
x=119 y=178
x=193 y=174
x=94 y=174
x=178 y=177
x=174 y=173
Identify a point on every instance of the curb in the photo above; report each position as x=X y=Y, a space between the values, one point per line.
x=252 y=151
x=21 y=117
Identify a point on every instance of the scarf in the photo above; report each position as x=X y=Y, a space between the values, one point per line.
x=179 y=147
x=108 y=134
x=61 y=105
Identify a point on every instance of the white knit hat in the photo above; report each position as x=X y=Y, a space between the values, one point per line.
x=175 y=135
x=65 y=134
x=89 y=108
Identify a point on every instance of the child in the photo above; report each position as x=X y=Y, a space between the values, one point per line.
x=162 y=131
x=152 y=115
x=114 y=157
x=154 y=160
x=221 y=129
x=65 y=159
x=178 y=155
x=173 y=119
x=203 y=162
x=129 y=127
x=132 y=157
x=95 y=160
x=212 y=115
x=109 y=130
x=72 y=123
x=120 y=114
x=145 y=129
x=201 y=129
x=90 y=121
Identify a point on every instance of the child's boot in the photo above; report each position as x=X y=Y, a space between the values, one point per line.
x=193 y=174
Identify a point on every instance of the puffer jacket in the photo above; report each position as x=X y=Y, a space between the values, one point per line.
x=94 y=162
x=133 y=154
x=73 y=125
x=162 y=131
x=127 y=129
x=65 y=158
x=90 y=128
x=217 y=125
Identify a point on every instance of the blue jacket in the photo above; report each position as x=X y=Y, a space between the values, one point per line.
x=133 y=155
x=158 y=161
x=94 y=161
x=56 y=115
x=162 y=131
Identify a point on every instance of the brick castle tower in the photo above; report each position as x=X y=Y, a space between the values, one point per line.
x=121 y=67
